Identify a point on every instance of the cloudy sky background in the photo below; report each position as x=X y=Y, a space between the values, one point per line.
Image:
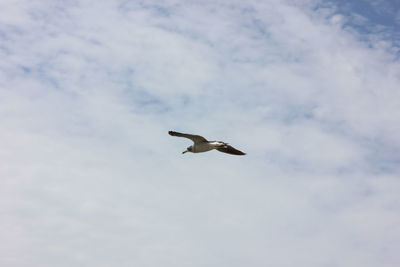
x=309 y=89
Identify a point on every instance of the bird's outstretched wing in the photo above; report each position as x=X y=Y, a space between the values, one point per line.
x=195 y=138
x=230 y=150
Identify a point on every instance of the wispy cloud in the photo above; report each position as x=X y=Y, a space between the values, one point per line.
x=90 y=176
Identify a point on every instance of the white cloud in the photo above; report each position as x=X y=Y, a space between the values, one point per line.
x=91 y=177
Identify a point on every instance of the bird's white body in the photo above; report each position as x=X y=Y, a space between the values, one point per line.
x=204 y=147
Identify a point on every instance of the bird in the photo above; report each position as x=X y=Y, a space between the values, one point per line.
x=203 y=145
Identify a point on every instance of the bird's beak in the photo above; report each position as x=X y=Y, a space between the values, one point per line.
x=185 y=151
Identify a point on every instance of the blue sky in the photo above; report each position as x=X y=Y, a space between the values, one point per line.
x=376 y=12
x=308 y=89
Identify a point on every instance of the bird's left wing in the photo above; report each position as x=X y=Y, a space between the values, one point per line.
x=194 y=138
x=230 y=150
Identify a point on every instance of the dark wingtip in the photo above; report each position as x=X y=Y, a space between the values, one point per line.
x=171 y=132
x=232 y=151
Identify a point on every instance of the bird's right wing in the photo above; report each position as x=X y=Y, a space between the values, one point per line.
x=231 y=150
x=195 y=138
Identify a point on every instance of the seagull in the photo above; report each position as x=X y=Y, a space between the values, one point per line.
x=202 y=145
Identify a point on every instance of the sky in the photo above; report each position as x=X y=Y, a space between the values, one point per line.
x=309 y=89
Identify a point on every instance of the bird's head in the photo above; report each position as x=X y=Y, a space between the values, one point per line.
x=189 y=149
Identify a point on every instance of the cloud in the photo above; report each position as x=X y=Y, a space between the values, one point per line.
x=90 y=175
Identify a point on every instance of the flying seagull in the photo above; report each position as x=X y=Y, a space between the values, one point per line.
x=202 y=145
